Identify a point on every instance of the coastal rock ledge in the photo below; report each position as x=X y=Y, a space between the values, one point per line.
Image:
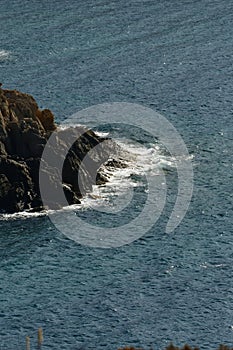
x=24 y=132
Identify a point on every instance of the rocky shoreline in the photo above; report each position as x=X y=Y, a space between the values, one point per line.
x=24 y=132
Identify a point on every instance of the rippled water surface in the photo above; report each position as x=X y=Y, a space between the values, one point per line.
x=176 y=58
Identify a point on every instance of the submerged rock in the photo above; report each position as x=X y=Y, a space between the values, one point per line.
x=24 y=132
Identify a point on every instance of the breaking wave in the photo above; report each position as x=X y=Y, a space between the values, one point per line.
x=4 y=55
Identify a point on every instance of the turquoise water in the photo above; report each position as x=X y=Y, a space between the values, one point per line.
x=176 y=58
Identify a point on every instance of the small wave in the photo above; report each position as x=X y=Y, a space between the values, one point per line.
x=102 y=134
x=4 y=55
x=22 y=215
x=70 y=125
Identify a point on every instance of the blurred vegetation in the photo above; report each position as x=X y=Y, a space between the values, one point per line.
x=40 y=339
x=172 y=347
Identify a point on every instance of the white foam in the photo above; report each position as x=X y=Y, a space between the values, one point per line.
x=21 y=215
x=102 y=134
x=70 y=125
x=4 y=55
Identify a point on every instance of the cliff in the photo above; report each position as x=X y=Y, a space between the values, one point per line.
x=24 y=132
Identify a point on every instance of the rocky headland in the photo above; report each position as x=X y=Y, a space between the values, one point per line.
x=24 y=132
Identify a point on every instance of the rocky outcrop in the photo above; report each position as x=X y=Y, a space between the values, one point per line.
x=24 y=132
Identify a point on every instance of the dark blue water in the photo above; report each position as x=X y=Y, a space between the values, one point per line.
x=175 y=57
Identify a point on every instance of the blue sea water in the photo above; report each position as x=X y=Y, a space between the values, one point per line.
x=175 y=57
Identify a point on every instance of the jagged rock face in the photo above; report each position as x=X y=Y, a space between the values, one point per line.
x=24 y=132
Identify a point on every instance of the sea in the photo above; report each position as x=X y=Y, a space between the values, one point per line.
x=174 y=58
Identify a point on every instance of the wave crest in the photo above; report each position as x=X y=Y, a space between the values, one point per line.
x=4 y=55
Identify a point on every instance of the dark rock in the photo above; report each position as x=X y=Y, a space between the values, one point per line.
x=19 y=194
x=24 y=132
x=115 y=163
